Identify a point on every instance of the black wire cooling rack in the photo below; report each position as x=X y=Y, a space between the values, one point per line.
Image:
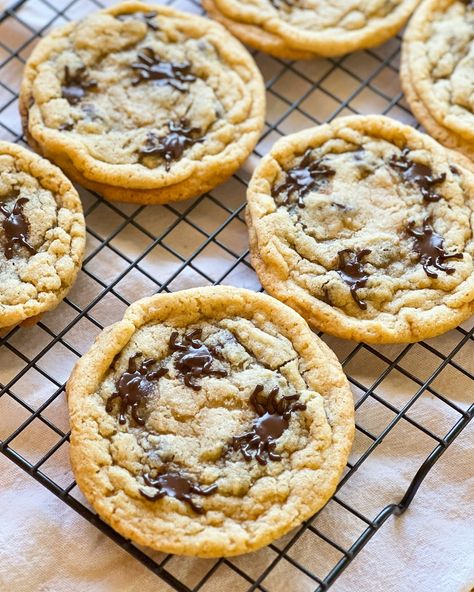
x=134 y=251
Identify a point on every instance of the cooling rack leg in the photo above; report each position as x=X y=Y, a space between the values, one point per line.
x=431 y=460
x=397 y=509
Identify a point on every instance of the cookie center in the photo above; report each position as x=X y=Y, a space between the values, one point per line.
x=352 y=224
x=195 y=99
x=229 y=401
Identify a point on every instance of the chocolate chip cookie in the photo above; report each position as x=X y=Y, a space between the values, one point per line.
x=437 y=71
x=365 y=227
x=42 y=236
x=143 y=103
x=208 y=422
x=300 y=29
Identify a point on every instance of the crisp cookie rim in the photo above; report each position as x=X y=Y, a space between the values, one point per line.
x=280 y=38
x=46 y=174
x=414 y=52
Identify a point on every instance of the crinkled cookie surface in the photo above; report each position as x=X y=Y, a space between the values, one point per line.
x=365 y=226
x=143 y=98
x=438 y=71
x=209 y=422
x=42 y=235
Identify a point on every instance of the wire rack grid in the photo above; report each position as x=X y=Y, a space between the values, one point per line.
x=135 y=251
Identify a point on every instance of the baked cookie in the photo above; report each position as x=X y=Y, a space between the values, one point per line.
x=208 y=422
x=42 y=236
x=365 y=227
x=143 y=103
x=437 y=71
x=300 y=29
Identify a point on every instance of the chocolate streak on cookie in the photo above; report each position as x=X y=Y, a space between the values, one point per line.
x=351 y=270
x=303 y=178
x=420 y=174
x=172 y=146
x=429 y=247
x=151 y=67
x=175 y=484
x=133 y=386
x=16 y=228
x=274 y=418
x=144 y=17
x=194 y=359
x=76 y=85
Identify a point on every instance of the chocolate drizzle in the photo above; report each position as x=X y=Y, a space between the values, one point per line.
x=273 y=419
x=194 y=359
x=351 y=270
x=144 y=17
x=429 y=247
x=417 y=173
x=76 y=85
x=302 y=178
x=175 y=484
x=151 y=67
x=133 y=386
x=172 y=146
x=16 y=228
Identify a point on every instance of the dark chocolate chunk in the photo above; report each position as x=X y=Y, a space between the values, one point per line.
x=301 y=179
x=172 y=146
x=151 y=67
x=273 y=419
x=133 y=387
x=285 y=4
x=454 y=169
x=145 y=17
x=429 y=247
x=364 y=162
x=175 y=484
x=351 y=269
x=76 y=85
x=359 y=154
x=16 y=228
x=417 y=173
x=194 y=358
